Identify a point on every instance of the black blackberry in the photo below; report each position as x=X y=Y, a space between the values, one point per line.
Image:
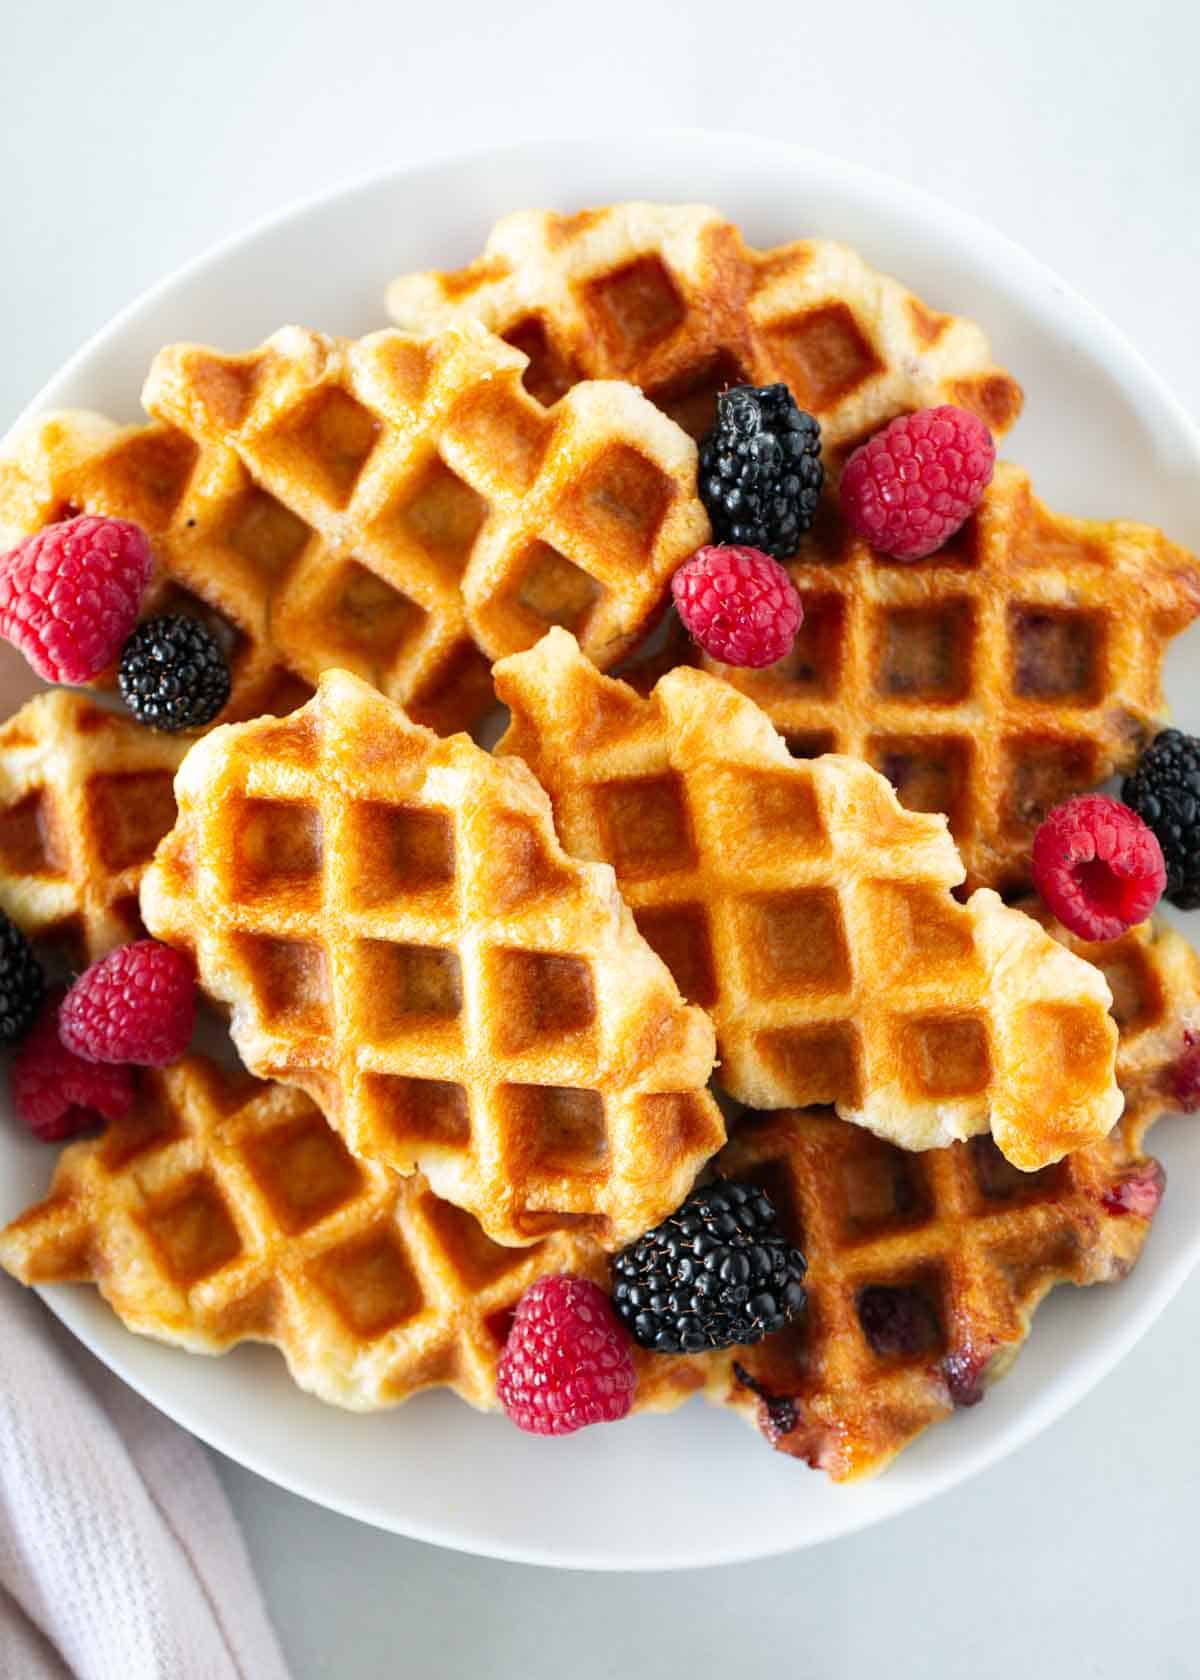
x=1164 y=790
x=760 y=469
x=22 y=983
x=717 y=1273
x=173 y=674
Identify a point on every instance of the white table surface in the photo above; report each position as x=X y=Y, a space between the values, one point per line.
x=134 y=133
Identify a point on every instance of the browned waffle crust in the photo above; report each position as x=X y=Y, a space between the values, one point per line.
x=85 y=796
x=395 y=928
x=672 y=298
x=1019 y=665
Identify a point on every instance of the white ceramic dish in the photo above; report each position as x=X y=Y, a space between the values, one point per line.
x=1100 y=434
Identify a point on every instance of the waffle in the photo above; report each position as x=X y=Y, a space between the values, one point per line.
x=955 y=1249
x=212 y=532
x=811 y=915
x=671 y=298
x=397 y=931
x=991 y=681
x=221 y=1210
x=85 y=796
x=400 y=508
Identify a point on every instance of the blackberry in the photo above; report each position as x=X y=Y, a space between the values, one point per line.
x=173 y=674
x=760 y=469
x=22 y=983
x=718 y=1273
x=1164 y=790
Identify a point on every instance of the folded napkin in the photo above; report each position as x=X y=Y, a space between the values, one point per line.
x=119 y=1555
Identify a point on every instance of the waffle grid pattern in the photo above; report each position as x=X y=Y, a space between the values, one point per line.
x=397 y=931
x=991 y=681
x=85 y=796
x=812 y=916
x=671 y=298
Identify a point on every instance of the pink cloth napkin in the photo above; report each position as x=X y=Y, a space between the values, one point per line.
x=120 y=1558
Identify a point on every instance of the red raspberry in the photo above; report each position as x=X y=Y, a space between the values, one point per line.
x=910 y=487
x=137 y=1005
x=739 y=604
x=1097 y=866
x=567 y=1361
x=57 y=1093
x=69 y=595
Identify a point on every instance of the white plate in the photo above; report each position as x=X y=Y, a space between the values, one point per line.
x=1101 y=436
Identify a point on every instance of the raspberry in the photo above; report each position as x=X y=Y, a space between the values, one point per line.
x=69 y=595
x=739 y=604
x=910 y=487
x=567 y=1362
x=1139 y=1192
x=57 y=1093
x=137 y=1005
x=1097 y=866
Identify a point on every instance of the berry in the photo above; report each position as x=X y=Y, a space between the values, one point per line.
x=69 y=595
x=718 y=1273
x=910 y=487
x=22 y=983
x=739 y=604
x=136 y=1005
x=567 y=1361
x=57 y=1093
x=173 y=674
x=1164 y=790
x=1097 y=866
x=760 y=469
x=1139 y=1192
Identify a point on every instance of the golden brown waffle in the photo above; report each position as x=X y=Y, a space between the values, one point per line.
x=214 y=535
x=398 y=507
x=925 y=1270
x=1015 y=667
x=221 y=1210
x=671 y=298
x=397 y=931
x=812 y=916
x=85 y=796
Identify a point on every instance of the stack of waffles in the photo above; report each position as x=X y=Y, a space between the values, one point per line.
x=484 y=1001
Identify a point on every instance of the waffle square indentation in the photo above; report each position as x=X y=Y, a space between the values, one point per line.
x=545 y=996
x=819 y=1063
x=560 y=1128
x=679 y=934
x=278 y=848
x=946 y=1055
x=332 y=434
x=404 y=988
x=824 y=355
x=365 y=617
x=193 y=1231
x=618 y=505
x=472 y=1252
x=778 y=815
x=502 y=434
x=1043 y=771
x=129 y=814
x=646 y=824
x=550 y=374
x=924 y=653
x=1056 y=654
x=156 y=465
x=902 y=1321
x=396 y=851
x=635 y=306
x=690 y=398
x=371 y=1284
x=303 y=1170
x=268 y=536
x=1139 y=999
x=290 y=978
x=814 y=665
x=441 y=515
x=882 y=1189
x=794 y=942
x=416 y=1111
x=1001 y=1185
x=553 y=590
x=928 y=772
x=28 y=845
